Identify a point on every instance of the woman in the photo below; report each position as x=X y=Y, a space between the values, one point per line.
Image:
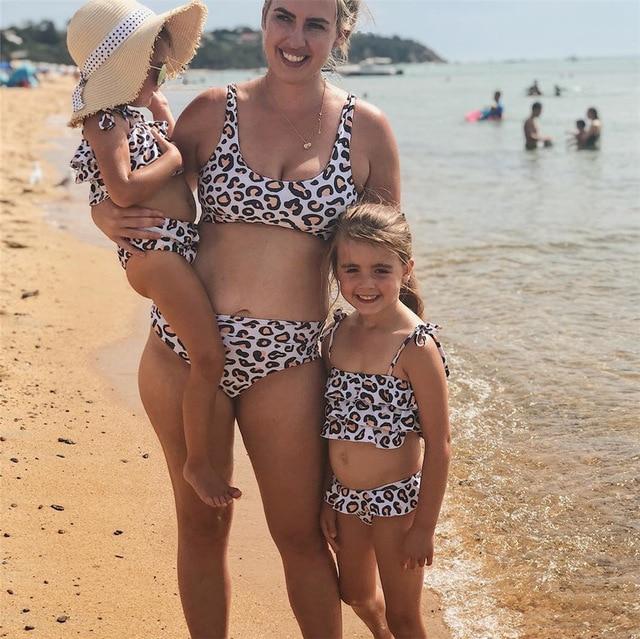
x=277 y=160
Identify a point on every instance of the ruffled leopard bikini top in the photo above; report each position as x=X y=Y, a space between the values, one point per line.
x=373 y=408
x=229 y=191
x=143 y=149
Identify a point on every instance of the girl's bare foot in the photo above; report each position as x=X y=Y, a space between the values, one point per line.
x=208 y=485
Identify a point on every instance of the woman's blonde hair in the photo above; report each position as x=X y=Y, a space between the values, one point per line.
x=380 y=225
x=347 y=12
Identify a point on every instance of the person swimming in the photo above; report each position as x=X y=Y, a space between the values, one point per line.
x=532 y=137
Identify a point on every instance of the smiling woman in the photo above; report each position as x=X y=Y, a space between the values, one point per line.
x=347 y=12
x=276 y=161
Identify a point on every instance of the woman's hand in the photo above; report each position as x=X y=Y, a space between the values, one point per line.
x=418 y=547
x=328 y=525
x=120 y=225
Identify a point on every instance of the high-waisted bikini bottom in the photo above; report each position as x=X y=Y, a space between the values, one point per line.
x=254 y=347
x=390 y=500
x=177 y=236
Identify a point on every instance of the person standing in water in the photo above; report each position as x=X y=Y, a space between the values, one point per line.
x=592 y=137
x=494 y=112
x=532 y=137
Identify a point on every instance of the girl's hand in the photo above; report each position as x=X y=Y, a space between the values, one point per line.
x=418 y=548
x=158 y=102
x=120 y=225
x=168 y=149
x=328 y=525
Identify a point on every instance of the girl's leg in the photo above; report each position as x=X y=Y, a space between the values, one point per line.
x=358 y=574
x=280 y=418
x=402 y=588
x=202 y=531
x=174 y=286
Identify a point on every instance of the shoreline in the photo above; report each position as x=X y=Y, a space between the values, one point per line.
x=69 y=374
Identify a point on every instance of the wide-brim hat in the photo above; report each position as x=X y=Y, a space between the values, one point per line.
x=114 y=75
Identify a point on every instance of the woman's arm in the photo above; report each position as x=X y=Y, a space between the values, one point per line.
x=374 y=156
x=111 y=148
x=425 y=370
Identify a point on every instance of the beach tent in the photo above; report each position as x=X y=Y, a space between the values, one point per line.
x=24 y=76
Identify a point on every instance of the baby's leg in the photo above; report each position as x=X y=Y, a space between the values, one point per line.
x=402 y=588
x=358 y=574
x=167 y=279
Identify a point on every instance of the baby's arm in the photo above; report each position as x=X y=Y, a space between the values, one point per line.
x=111 y=148
x=161 y=110
x=426 y=373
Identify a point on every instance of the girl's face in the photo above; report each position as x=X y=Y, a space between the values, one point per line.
x=370 y=276
x=160 y=55
x=298 y=37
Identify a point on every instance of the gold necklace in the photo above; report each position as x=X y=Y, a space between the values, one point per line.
x=306 y=144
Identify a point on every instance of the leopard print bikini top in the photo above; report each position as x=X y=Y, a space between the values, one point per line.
x=229 y=191
x=143 y=149
x=373 y=408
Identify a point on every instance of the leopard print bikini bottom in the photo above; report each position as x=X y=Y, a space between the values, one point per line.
x=176 y=235
x=254 y=347
x=390 y=500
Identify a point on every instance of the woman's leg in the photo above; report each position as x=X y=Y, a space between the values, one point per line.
x=358 y=574
x=280 y=418
x=402 y=588
x=167 y=279
x=202 y=531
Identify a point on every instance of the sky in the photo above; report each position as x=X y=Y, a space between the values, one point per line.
x=459 y=30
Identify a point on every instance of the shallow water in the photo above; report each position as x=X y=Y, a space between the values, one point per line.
x=530 y=262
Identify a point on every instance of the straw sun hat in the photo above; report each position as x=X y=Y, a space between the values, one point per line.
x=112 y=43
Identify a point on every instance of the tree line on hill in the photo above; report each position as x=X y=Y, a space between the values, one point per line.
x=239 y=48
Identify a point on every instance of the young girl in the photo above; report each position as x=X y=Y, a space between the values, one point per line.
x=385 y=390
x=124 y=52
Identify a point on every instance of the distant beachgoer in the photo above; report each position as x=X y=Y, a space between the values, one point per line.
x=534 y=89
x=557 y=91
x=578 y=136
x=386 y=389
x=531 y=135
x=494 y=112
x=592 y=137
x=130 y=161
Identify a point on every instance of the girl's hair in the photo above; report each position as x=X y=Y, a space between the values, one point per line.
x=347 y=12
x=379 y=225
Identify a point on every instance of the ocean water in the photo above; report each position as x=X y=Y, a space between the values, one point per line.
x=530 y=262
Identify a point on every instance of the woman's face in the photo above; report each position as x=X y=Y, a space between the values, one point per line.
x=298 y=37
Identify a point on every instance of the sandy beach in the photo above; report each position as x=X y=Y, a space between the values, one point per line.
x=88 y=532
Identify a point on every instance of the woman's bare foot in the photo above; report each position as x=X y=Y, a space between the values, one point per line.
x=208 y=485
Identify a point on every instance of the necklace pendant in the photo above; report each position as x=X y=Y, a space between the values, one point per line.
x=307 y=146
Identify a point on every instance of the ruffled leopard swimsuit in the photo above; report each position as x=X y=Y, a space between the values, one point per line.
x=229 y=192
x=379 y=410
x=177 y=236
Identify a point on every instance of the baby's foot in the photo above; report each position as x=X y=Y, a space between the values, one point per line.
x=208 y=485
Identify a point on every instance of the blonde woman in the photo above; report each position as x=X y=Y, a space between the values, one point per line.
x=276 y=160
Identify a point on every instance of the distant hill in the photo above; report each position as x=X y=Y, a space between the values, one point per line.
x=239 y=48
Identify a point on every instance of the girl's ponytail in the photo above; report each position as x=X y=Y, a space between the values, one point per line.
x=410 y=296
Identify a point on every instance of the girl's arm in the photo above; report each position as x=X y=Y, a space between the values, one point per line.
x=111 y=148
x=161 y=110
x=189 y=134
x=425 y=370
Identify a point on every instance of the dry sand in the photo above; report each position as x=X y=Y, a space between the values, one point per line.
x=87 y=531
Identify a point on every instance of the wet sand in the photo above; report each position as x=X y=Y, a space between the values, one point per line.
x=88 y=526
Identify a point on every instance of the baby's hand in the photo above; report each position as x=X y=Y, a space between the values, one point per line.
x=418 y=547
x=167 y=148
x=158 y=102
